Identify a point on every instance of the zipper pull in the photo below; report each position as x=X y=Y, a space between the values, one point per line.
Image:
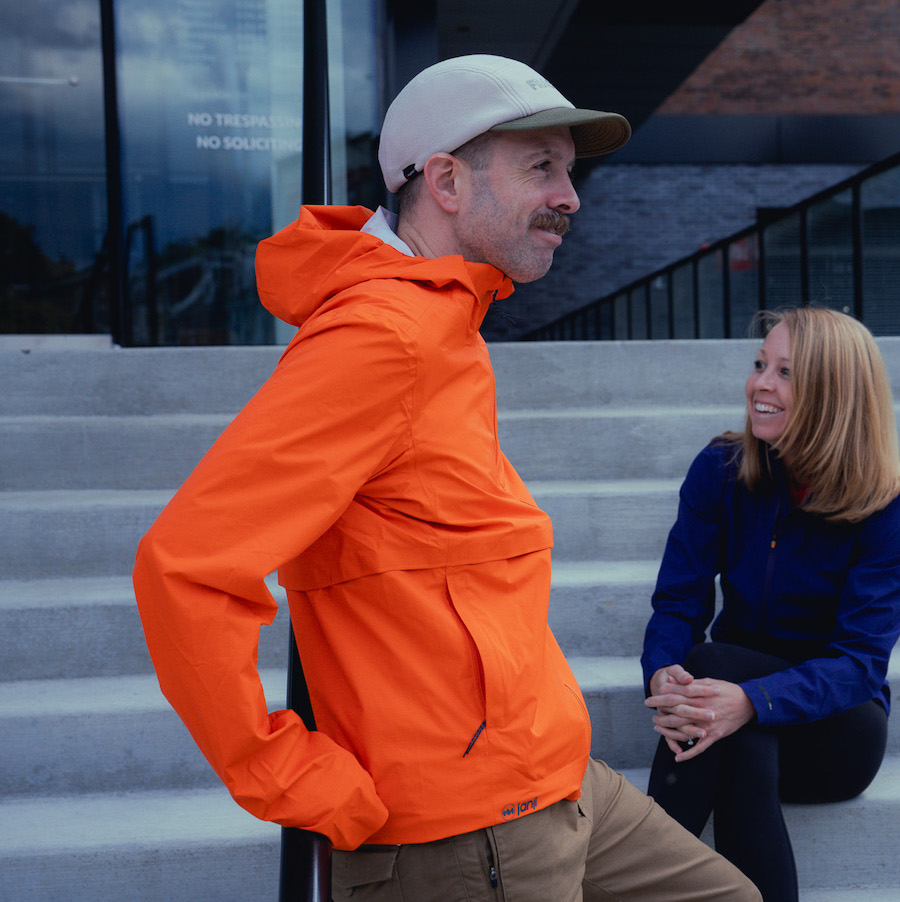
x=492 y=871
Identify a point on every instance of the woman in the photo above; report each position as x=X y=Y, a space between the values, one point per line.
x=799 y=518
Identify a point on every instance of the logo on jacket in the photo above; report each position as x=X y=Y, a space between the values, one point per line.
x=517 y=809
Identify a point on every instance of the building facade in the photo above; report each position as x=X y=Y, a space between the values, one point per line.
x=148 y=145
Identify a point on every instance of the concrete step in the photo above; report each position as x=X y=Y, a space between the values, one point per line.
x=103 y=734
x=601 y=607
x=159 y=451
x=621 y=520
x=611 y=443
x=83 y=726
x=622 y=729
x=69 y=533
x=865 y=893
x=199 y=845
x=184 y=846
x=67 y=628
x=51 y=730
x=529 y=375
x=679 y=373
x=137 y=381
x=95 y=532
x=97 y=452
x=841 y=848
x=89 y=626
x=222 y=379
x=58 y=628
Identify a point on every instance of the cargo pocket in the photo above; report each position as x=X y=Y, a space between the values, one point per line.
x=364 y=873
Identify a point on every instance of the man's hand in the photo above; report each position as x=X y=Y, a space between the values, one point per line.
x=698 y=712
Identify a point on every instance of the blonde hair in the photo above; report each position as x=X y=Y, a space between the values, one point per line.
x=841 y=440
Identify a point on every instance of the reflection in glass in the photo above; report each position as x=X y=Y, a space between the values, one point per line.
x=601 y=323
x=355 y=96
x=781 y=242
x=210 y=100
x=52 y=168
x=620 y=317
x=830 y=238
x=637 y=302
x=683 y=301
x=743 y=280
x=211 y=106
x=880 y=201
x=659 y=307
x=710 y=288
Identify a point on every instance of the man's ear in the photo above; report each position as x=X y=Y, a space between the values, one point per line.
x=442 y=172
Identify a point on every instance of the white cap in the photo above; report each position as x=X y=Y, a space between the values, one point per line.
x=457 y=99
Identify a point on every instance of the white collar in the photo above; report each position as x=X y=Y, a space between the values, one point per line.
x=382 y=224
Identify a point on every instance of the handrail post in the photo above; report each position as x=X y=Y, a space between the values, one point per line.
x=305 y=874
x=305 y=856
x=119 y=315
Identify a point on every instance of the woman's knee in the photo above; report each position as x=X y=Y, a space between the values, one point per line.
x=834 y=759
x=721 y=661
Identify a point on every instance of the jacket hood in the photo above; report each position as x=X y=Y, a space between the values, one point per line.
x=323 y=252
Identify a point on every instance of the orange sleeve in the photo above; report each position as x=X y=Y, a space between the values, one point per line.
x=333 y=413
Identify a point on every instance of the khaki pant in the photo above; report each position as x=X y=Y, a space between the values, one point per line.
x=614 y=843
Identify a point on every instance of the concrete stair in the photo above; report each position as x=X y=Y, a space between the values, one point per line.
x=103 y=795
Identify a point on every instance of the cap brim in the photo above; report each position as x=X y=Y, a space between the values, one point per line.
x=594 y=132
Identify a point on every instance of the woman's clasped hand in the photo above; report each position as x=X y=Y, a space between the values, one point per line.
x=695 y=713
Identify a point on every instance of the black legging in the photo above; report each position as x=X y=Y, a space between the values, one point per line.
x=743 y=778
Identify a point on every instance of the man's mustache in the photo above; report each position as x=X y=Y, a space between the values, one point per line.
x=558 y=223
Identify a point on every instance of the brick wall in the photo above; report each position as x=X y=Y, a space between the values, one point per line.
x=802 y=57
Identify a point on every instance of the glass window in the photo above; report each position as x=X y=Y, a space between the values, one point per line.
x=743 y=282
x=604 y=322
x=659 y=307
x=355 y=94
x=781 y=243
x=637 y=302
x=880 y=201
x=210 y=98
x=52 y=168
x=620 y=317
x=683 y=301
x=830 y=240
x=710 y=289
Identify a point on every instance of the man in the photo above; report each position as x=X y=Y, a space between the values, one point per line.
x=451 y=757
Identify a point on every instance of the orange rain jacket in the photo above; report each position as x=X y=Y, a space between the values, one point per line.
x=367 y=471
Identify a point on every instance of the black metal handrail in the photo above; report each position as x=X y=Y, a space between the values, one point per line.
x=836 y=248
x=305 y=874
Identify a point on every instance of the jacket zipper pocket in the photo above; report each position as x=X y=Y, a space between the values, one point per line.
x=579 y=700
x=478 y=732
x=492 y=870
